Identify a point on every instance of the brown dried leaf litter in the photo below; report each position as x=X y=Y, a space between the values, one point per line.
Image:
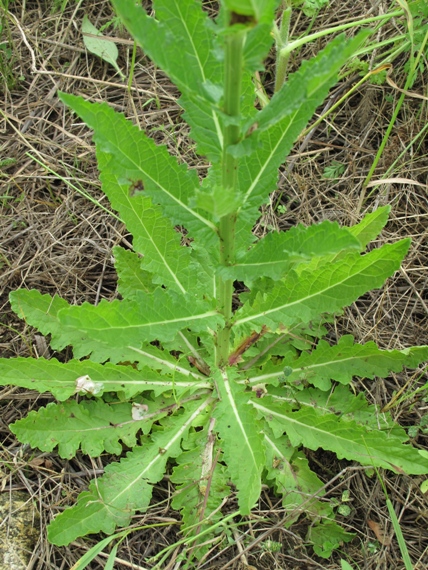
x=55 y=239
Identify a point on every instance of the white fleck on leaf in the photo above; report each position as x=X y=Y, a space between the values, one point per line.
x=88 y=386
x=139 y=411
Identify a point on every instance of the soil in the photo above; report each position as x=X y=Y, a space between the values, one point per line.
x=57 y=232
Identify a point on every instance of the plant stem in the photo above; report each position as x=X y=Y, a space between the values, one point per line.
x=234 y=43
x=311 y=37
x=131 y=72
x=281 y=42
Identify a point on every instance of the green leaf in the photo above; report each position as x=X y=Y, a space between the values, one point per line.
x=303 y=297
x=342 y=402
x=241 y=439
x=279 y=124
x=289 y=471
x=347 y=359
x=154 y=236
x=111 y=326
x=312 y=7
x=218 y=202
x=306 y=85
x=201 y=482
x=256 y=8
x=41 y=312
x=347 y=439
x=258 y=42
x=345 y=565
x=126 y=487
x=38 y=310
x=131 y=277
x=186 y=36
x=334 y=170
x=91 y=425
x=187 y=56
x=276 y=253
x=136 y=175
x=206 y=126
x=61 y=379
x=367 y=230
x=103 y=48
x=327 y=536
x=371 y=225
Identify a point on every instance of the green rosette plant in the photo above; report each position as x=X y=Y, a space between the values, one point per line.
x=212 y=363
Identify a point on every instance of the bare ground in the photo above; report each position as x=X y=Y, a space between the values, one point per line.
x=57 y=232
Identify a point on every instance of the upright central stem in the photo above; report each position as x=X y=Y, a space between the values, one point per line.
x=232 y=101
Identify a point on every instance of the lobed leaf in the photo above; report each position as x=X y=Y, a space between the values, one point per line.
x=342 y=402
x=347 y=359
x=131 y=277
x=187 y=56
x=288 y=470
x=241 y=439
x=60 y=379
x=201 y=481
x=303 y=297
x=126 y=487
x=278 y=126
x=276 y=253
x=365 y=231
x=113 y=326
x=40 y=311
x=137 y=175
x=327 y=536
x=347 y=439
x=302 y=85
x=91 y=425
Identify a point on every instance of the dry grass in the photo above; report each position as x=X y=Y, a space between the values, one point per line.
x=58 y=241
